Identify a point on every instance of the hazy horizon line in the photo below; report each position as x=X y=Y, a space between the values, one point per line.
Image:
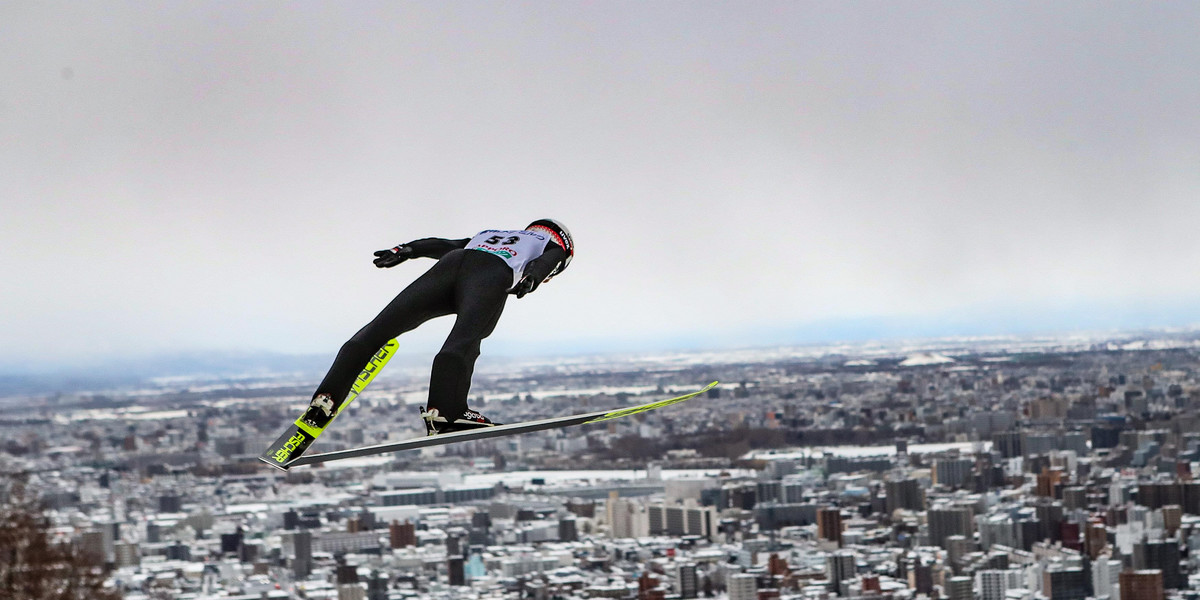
x=858 y=331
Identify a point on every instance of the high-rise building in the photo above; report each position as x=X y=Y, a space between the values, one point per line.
x=455 y=572
x=993 y=584
x=153 y=532
x=351 y=592
x=840 y=568
x=402 y=535
x=1105 y=436
x=1069 y=536
x=960 y=588
x=904 y=494
x=769 y=491
x=682 y=520
x=743 y=586
x=700 y=520
x=348 y=587
x=1064 y=583
x=687 y=582
x=952 y=472
x=1191 y=497
x=1095 y=538
x=920 y=578
x=1038 y=443
x=829 y=524
x=957 y=548
x=1158 y=495
x=990 y=421
x=127 y=555
x=1146 y=584
x=649 y=586
x=377 y=586
x=996 y=529
x=1050 y=518
x=777 y=566
x=1049 y=481
x=1009 y=444
x=302 y=554
x=1075 y=497
x=179 y=551
x=91 y=547
x=793 y=489
x=567 y=530
x=231 y=542
x=946 y=521
x=170 y=503
x=1105 y=577
x=774 y=516
x=1163 y=555
x=626 y=519
x=1172 y=515
x=1028 y=532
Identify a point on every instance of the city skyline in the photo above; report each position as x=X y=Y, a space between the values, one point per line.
x=1055 y=470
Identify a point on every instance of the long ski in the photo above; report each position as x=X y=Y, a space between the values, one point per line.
x=303 y=432
x=490 y=432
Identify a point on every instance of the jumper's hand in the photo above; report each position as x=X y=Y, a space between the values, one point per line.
x=386 y=259
x=526 y=285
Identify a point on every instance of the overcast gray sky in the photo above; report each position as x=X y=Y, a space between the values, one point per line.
x=217 y=174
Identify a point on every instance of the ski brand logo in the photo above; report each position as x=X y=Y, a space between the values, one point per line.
x=376 y=363
x=369 y=371
x=506 y=252
x=294 y=442
x=289 y=446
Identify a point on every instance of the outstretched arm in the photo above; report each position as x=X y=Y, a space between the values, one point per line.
x=425 y=247
x=435 y=247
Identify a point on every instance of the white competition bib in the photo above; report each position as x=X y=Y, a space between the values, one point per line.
x=517 y=248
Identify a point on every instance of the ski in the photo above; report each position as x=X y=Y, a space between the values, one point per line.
x=289 y=446
x=490 y=432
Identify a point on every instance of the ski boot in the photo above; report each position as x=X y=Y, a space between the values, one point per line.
x=435 y=423
x=320 y=411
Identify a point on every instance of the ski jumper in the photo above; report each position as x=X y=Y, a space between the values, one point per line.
x=471 y=279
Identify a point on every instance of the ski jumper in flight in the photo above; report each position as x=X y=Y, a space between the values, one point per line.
x=472 y=279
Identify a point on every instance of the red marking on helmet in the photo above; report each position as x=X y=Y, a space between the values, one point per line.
x=557 y=238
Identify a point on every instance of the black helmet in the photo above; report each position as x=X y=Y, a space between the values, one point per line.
x=560 y=235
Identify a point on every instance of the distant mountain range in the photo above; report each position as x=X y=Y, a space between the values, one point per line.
x=117 y=373
x=183 y=368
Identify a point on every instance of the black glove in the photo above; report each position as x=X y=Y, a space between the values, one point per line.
x=525 y=285
x=386 y=259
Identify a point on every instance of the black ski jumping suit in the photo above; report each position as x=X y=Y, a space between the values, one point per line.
x=469 y=283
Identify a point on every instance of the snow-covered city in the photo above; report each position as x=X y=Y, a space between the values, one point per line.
x=989 y=469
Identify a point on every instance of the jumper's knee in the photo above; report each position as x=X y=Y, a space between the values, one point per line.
x=368 y=339
x=455 y=358
x=357 y=346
